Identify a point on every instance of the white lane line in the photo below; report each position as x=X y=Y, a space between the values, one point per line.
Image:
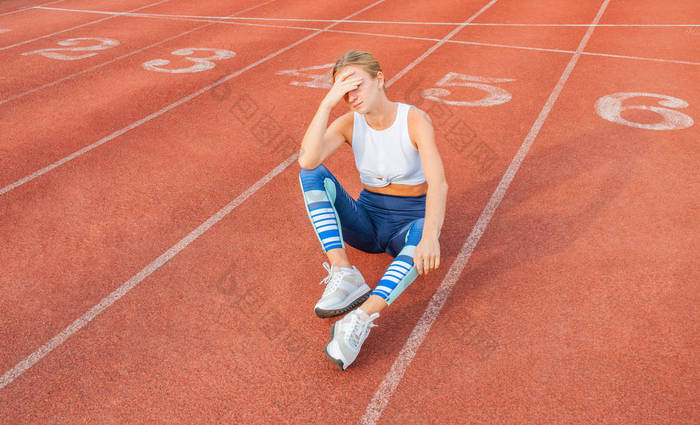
x=641 y=58
x=130 y=284
x=393 y=377
x=160 y=112
x=30 y=7
x=471 y=43
x=352 y=21
x=439 y=43
x=2 y=30
x=83 y=320
x=92 y=68
x=543 y=49
x=75 y=27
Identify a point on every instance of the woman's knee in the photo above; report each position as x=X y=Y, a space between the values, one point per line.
x=316 y=179
x=415 y=232
x=320 y=171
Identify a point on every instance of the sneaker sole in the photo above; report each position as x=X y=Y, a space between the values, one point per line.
x=330 y=313
x=337 y=362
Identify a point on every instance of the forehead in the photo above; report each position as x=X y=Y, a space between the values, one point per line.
x=358 y=70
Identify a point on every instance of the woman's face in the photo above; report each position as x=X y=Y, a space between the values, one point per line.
x=363 y=98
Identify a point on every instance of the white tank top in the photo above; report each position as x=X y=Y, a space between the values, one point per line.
x=386 y=156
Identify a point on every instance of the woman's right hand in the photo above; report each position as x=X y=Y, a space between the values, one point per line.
x=348 y=80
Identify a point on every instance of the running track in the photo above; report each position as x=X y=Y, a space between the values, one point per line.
x=158 y=266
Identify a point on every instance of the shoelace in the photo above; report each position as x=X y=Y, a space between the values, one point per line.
x=359 y=329
x=333 y=279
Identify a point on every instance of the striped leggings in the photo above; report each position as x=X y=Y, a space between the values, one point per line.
x=373 y=223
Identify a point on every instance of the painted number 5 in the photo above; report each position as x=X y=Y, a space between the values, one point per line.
x=610 y=108
x=200 y=64
x=494 y=95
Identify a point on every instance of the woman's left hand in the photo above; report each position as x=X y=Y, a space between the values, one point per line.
x=426 y=257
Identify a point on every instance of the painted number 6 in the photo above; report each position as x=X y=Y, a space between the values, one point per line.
x=200 y=64
x=494 y=95
x=610 y=108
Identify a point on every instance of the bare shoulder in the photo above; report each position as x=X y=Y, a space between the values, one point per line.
x=419 y=125
x=344 y=125
x=418 y=116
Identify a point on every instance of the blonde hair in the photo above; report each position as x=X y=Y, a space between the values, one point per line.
x=364 y=60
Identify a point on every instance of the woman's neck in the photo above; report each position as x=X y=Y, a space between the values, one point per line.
x=383 y=116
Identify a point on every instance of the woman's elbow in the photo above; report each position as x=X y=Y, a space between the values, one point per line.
x=442 y=185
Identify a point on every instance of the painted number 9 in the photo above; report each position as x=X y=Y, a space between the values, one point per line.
x=610 y=108
x=200 y=64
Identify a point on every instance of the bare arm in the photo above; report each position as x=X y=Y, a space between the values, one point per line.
x=427 y=253
x=319 y=142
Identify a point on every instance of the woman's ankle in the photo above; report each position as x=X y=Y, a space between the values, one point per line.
x=337 y=257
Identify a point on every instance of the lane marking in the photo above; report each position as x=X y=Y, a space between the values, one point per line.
x=439 y=43
x=75 y=27
x=544 y=49
x=611 y=55
x=32 y=359
x=2 y=30
x=352 y=21
x=113 y=297
x=88 y=148
x=610 y=107
x=72 y=45
x=493 y=95
x=408 y=351
x=109 y=62
x=106 y=302
x=200 y=64
x=130 y=284
x=160 y=112
x=473 y=43
x=27 y=8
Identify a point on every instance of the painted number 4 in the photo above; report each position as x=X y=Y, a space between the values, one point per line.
x=318 y=76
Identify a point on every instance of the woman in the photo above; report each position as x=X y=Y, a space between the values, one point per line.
x=400 y=211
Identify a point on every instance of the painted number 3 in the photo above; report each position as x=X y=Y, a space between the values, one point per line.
x=610 y=108
x=200 y=64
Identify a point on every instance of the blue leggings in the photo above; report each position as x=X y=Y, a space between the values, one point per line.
x=373 y=223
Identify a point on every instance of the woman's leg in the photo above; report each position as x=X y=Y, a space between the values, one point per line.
x=401 y=271
x=342 y=349
x=336 y=216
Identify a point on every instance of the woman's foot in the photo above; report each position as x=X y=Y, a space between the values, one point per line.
x=345 y=289
x=347 y=336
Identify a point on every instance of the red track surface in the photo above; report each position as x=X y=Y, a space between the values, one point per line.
x=578 y=305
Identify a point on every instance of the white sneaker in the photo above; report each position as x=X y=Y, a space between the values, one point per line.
x=345 y=288
x=347 y=336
